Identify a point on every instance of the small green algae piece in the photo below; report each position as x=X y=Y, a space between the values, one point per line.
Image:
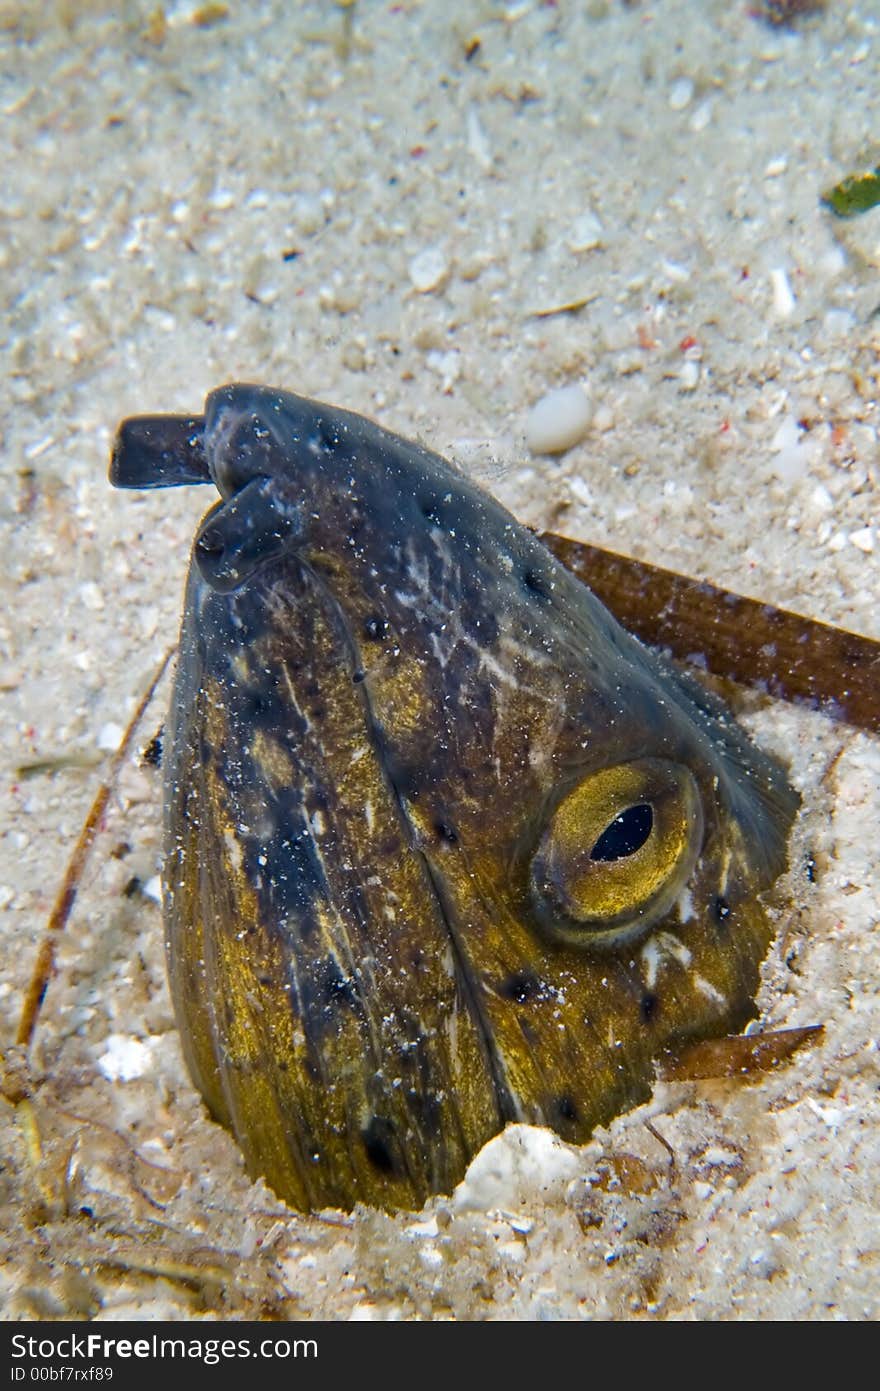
x=854 y=194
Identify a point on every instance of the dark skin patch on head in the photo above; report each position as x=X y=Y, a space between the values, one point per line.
x=648 y=1007
x=430 y=509
x=375 y=628
x=325 y=988
x=380 y=1144
x=566 y=1109
x=536 y=584
x=521 y=986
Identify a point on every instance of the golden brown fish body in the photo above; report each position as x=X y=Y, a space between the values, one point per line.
x=445 y=846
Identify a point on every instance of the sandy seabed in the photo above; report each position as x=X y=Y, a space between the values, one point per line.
x=375 y=204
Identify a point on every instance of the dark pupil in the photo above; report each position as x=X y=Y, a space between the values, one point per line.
x=626 y=834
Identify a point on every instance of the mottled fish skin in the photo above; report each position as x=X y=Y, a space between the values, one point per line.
x=395 y=718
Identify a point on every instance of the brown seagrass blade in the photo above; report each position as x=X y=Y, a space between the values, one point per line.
x=737 y=1055
x=790 y=656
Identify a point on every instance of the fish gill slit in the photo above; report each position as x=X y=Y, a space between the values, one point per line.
x=506 y=1104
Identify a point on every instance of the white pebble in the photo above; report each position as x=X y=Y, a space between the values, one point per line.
x=110 y=737
x=603 y=420
x=559 y=420
x=221 y=198
x=153 y=889
x=446 y=365
x=522 y=1160
x=689 y=375
x=833 y=261
x=126 y=1058
x=701 y=117
x=580 y=491
x=792 y=455
x=681 y=93
x=91 y=596
x=427 y=1228
x=783 y=298
x=308 y=214
x=429 y=269
x=863 y=539
x=838 y=323
x=478 y=142
x=676 y=271
x=586 y=233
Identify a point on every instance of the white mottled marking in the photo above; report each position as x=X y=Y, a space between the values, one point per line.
x=233 y=850
x=660 y=948
x=706 y=988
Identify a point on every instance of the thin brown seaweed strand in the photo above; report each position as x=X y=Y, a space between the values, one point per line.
x=66 y=897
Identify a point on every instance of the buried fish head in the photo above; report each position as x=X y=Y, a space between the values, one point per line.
x=446 y=847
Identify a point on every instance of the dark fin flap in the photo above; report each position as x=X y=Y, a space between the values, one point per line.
x=159 y=451
x=243 y=534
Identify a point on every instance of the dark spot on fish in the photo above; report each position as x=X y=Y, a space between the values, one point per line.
x=566 y=1110
x=446 y=832
x=722 y=909
x=328 y=435
x=332 y=984
x=535 y=584
x=358 y=676
x=322 y=990
x=430 y=508
x=375 y=628
x=132 y=887
x=810 y=866
x=257 y=707
x=287 y=866
x=521 y=986
x=379 y=1143
x=648 y=1007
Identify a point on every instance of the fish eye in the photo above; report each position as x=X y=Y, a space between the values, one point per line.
x=618 y=851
